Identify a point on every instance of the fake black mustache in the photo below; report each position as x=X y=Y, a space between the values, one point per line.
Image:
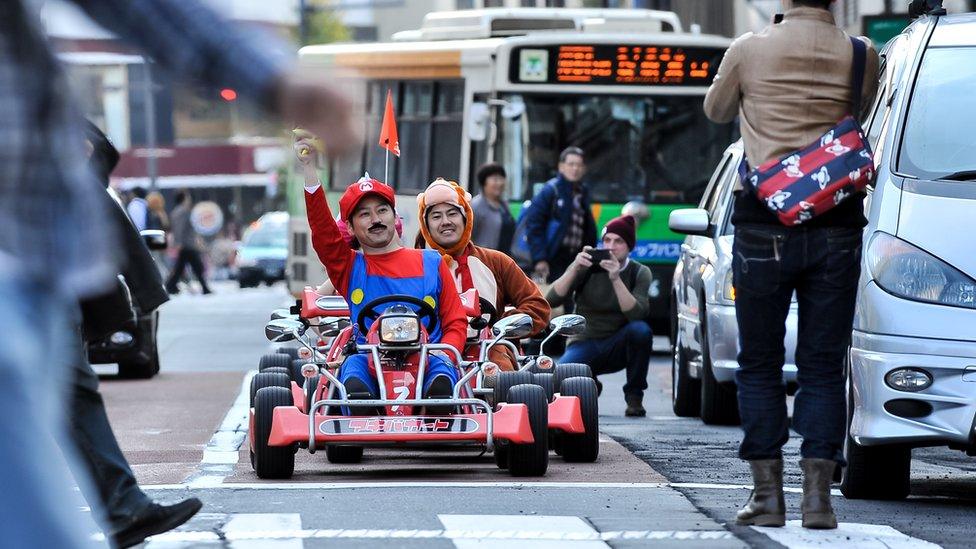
x=376 y=225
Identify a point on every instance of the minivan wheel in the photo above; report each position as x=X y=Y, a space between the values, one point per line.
x=874 y=472
x=719 y=401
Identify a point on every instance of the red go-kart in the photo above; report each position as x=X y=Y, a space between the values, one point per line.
x=286 y=416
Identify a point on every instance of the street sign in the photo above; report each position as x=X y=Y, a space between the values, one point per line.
x=882 y=28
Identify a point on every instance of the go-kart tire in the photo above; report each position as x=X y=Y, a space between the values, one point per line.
x=271 y=461
x=343 y=454
x=290 y=351
x=277 y=370
x=545 y=381
x=270 y=379
x=501 y=456
x=530 y=460
x=568 y=370
x=274 y=360
x=310 y=395
x=506 y=380
x=585 y=447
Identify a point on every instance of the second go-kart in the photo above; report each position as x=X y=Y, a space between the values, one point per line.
x=286 y=416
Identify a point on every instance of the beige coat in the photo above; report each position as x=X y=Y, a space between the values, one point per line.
x=789 y=83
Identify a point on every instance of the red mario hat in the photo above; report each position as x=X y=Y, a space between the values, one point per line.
x=359 y=190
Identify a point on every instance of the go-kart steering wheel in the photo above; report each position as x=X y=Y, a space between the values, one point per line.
x=425 y=311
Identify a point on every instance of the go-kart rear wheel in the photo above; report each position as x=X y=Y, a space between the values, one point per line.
x=585 y=447
x=268 y=379
x=271 y=461
x=506 y=380
x=274 y=360
x=309 y=391
x=343 y=454
x=546 y=382
x=532 y=459
x=277 y=370
x=568 y=370
x=501 y=456
x=290 y=351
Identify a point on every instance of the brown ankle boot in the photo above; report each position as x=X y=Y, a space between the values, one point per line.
x=816 y=508
x=766 y=506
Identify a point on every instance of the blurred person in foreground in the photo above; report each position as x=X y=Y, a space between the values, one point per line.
x=494 y=225
x=56 y=244
x=129 y=514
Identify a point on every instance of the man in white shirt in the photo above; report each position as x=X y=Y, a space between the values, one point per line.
x=138 y=208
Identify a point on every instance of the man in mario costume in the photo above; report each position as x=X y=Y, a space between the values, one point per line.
x=381 y=267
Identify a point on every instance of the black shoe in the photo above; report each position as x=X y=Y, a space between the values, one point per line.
x=155 y=519
x=440 y=387
x=635 y=406
x=357 y=390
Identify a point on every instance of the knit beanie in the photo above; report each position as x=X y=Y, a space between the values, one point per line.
x=625 y=227
x=442 y=191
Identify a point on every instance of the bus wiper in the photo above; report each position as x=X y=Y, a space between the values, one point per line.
x=965 y=175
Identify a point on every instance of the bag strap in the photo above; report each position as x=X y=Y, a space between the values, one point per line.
x=857 y=74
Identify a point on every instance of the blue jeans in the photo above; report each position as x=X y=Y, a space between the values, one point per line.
x=822 y=266
x=37 y=503
x=357 y=366
x=629 y=348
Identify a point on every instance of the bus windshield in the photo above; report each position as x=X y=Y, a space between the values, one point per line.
x=652 y=148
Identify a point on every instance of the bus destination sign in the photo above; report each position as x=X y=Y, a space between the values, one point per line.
x=608 y=64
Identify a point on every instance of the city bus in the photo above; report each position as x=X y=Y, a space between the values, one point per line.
x=517 y=86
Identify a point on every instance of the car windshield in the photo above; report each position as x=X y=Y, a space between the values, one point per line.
x=649 y=148
x=938 y=137
x=268 y=236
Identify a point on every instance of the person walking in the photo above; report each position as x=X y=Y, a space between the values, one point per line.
x=138 y=209
x=494 y=225
x=559 y=222
x=187 y=243
x=612 y=295
x=789 y=84
x=57 y=246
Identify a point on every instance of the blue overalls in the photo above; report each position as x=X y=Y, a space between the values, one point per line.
x=364 y=288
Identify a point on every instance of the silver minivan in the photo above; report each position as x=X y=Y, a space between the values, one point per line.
x=913 y=349
x=705 y=337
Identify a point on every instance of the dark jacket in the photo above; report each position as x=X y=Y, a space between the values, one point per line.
x=142 y=288
x=550 y=213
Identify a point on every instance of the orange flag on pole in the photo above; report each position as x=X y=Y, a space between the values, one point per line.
x=388 y=133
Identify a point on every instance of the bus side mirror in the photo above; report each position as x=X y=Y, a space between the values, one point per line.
x=478 y=122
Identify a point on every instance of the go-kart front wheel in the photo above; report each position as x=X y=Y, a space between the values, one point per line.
x=269 y=379
x=531 y=460
x=271 y=461
x=584 y=447
x=568 y=370
x=506 y=380
x=274 y=360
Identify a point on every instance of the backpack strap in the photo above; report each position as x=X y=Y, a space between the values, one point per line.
x=857 y=74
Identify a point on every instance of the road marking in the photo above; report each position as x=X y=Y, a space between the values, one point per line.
x=387 y=485
x=571 y=532
x=862 y=536
x=221 y=454
x=503 y=484
x=256 y=524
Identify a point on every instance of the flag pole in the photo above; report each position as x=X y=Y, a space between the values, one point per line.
x=386 y=175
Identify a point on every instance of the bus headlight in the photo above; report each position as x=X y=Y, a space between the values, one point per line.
x=400 y=330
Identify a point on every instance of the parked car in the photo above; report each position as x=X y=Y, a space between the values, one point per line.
x=913 y=349
x=263 y=251
x=133 y=347
x=704 y=334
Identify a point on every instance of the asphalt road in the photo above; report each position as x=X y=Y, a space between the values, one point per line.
x=661 y=481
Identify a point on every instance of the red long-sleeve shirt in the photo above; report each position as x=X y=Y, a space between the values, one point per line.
x=338 y=259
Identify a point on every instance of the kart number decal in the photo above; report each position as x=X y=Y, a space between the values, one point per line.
x=401 y=394
x=397 y=425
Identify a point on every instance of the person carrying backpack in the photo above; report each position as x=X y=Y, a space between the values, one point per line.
x=798 y=88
